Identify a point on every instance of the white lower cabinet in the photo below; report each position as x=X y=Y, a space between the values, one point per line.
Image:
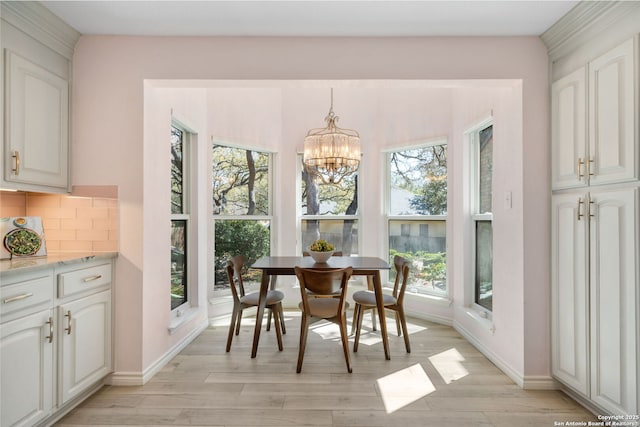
x=26 y=359
x=595 y=296
x=85 y=354
x=55 y=339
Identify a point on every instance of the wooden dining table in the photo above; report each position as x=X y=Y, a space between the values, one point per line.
x=273 y=266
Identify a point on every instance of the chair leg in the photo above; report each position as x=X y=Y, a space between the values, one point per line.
x=345 y=340
x=269 y=320
x=304 y=328
x=398 y=322
x=238 y=322
x=358 y=328
x=354 y=322
x=373 y=320
x=232 y=326
x=403 y=320
x=281 y=315
x=276 y=321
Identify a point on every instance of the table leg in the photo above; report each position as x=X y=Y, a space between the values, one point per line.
x=377 y=287
x=262 y=302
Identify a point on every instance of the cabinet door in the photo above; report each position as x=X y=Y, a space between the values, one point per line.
x=568 y=124
x=26 y=362
x=612 y=139
x=569 y=303
x=85 y=343
x=37 y=122
x=613 y=297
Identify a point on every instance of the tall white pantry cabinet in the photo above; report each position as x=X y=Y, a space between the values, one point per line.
x=596 y=224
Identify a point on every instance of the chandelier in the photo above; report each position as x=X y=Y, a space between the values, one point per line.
x=331 y=153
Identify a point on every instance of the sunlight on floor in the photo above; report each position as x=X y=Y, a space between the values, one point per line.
x=449 y=365
x=404 y=387
x=371 y=337
x=327 y=330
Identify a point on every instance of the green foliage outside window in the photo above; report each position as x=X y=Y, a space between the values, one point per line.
x=428 y=269
x=240 y=237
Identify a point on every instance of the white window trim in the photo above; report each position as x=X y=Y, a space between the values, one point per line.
x=443 y=299
x=269 y=217
x=184 y=312
x=301 y=216
x=471 y=140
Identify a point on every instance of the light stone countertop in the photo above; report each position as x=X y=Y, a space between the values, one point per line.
x=26 y=264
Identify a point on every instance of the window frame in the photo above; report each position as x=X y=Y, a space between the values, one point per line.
x=226 y=217
x=188 y=177
x=472 y=136
x=327 y=217
x=388 y=217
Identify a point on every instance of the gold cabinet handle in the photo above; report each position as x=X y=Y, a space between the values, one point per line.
x=580 y=203
x=92 y=278
x=17 y=298
x=16 y=169
x=68 y=328
x=579 y=168
x=50 y=336
x=590 y=207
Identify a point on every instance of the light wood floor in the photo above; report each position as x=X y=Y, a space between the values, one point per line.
x=443 y=382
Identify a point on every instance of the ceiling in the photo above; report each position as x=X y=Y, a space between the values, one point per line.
x=310 y=18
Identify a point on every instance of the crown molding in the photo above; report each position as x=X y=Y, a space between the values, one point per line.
x=585 y=21
x=41 y=24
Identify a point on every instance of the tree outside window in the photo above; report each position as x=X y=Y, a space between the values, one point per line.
x=241 y=208
x=330 y=212
x=417 y=214
x=179 y=218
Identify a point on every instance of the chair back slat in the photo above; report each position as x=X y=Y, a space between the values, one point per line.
x=234 y=273
x=402 y=277
x=321 y=282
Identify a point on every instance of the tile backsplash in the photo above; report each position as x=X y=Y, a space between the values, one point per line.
x=86 y=220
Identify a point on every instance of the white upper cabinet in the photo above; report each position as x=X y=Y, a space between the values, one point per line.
x=594 y=142
x=612 y=140
x=37 y=124
x=569 y=126
x=37 y=52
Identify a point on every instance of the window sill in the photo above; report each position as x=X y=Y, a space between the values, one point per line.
x=181 y=317
x=480 y=318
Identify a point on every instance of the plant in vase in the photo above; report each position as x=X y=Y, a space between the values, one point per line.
x=321 y=250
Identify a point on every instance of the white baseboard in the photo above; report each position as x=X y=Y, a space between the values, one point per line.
x=531 y=382
x=540 y=382
x=442 y=320
x=141 y=378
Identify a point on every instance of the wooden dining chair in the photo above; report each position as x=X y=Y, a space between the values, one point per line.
x=323 y=283
x=241 y=301
x=366 y=300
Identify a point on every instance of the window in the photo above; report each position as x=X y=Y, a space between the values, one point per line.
x=482 y=176
x=241 y=209
x=417 y=214
x=179 y=216
x=329 y=212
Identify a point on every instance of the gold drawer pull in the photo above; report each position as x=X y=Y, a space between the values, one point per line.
x=17 y=298
x=16 y=156
x=92 y=278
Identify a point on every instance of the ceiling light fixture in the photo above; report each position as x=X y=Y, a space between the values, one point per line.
x=331 y=153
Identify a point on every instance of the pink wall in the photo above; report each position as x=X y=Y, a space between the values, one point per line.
x=109 y=113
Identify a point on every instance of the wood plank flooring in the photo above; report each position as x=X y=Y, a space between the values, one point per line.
x=445 y=381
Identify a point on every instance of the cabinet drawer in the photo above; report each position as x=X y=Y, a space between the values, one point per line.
x=26 y=297
x=86 y=279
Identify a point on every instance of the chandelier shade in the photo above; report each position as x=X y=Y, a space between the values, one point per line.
x=331 y=153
